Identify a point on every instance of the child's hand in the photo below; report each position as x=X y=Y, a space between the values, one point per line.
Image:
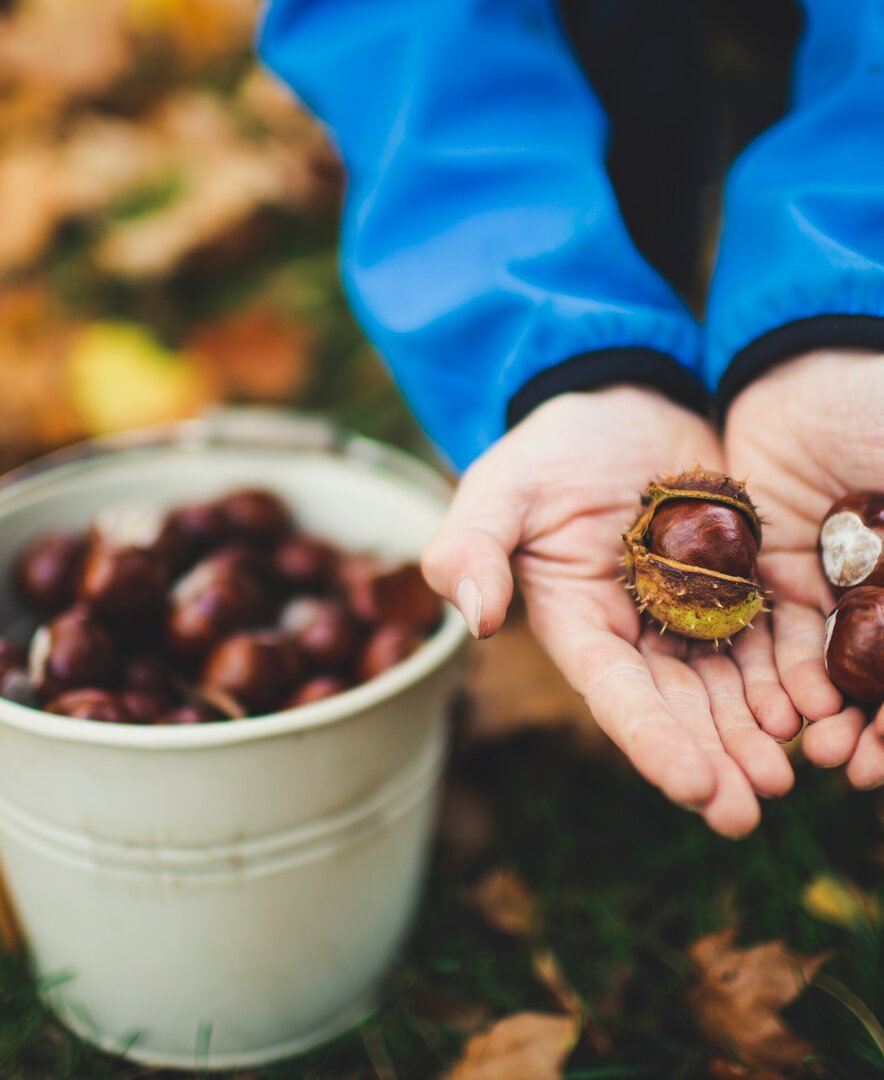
x=803 y=435
x=556 y=493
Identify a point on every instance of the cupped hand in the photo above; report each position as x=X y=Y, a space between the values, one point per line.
x=550 y=501
x=802 y=436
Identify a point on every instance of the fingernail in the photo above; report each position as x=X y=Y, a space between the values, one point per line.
x=469 y=603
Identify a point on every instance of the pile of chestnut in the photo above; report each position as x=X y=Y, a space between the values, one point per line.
x=852 y=552
x=210 y=611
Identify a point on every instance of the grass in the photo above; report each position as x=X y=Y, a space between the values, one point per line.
x=626 y=883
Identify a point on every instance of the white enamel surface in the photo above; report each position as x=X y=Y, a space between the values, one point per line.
x=252 y=878
x=850 y=549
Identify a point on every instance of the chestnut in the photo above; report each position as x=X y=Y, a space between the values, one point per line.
x=386 y=647
x=396 y=594
x=305 y=563
x=202 y=526
x=322 y=628
x=852 y=540
x=147 y=671
x=90 y=703
x=704 y=534
x=145 y=706
x=316 y=689
x=72 y=650
x=855 y=644
x=47 y=570
x=16 y=685
x=124 y=583
x=217 y=597
x=256 y=515
x=148 y=528
x=254 y=668
x=12 y=655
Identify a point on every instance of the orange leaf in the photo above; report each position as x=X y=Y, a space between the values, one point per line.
x=739 y=995
x=505 y=902
x=527 y=1045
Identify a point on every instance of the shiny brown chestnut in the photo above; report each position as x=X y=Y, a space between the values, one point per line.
x=386 y=647
x=253 y=668
x=317 y=689
x=125 y=525
x=322 y=628
x=71 y=651
x=16 y=685
x=256 y=515
x=91 y=703
x=147 y=671
x=704 y=534
x=855 y=644
x=305 y=563
x=391 y=594
x=851 y=540
x=216 y=598
x=146 y=706
x=47 y=570
x=203 y=526
x=124 y=583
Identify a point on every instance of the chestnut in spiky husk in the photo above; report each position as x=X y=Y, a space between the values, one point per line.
x=691 y=555
x=855 y=644
x=852 y=541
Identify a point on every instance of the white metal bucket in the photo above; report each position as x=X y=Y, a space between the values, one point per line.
x=232 y=893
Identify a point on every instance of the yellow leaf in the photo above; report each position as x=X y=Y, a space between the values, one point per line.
x=835 y=900
x=120 y=377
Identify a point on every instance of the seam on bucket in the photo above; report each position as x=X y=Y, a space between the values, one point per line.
x=265 y=854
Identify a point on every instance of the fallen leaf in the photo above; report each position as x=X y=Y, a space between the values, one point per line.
x=526 y=1046
x=255 y=354
x=738 y=997
x=505 y=902
x=839 y=901
x=119 y=377
x=548 y=972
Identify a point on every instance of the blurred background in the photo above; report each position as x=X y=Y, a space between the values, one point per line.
x=167 y=229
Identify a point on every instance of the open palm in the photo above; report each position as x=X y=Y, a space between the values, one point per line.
x=556 y=494
x=804 y=435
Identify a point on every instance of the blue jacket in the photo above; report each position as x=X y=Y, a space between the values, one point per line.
x=482 y=247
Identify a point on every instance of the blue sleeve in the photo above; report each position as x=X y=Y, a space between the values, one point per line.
x=801 y=262
x=482 y=246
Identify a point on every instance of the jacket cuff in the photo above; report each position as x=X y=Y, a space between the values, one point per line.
x=606 y=367
x=792 y=339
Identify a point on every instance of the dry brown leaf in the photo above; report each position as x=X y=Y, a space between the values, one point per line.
x=255 y=354
x=526 y=1046
x=548 y=972
x=69 y=49
x=30 y=197
x=514 y=685
x=505 y=902
x=739 y=994
x=466 y=825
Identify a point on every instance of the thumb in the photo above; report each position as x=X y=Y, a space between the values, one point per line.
x=467 y=561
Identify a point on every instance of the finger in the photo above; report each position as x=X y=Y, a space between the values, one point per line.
x=753 y=653
x=733 y=809
x=831 y=741
x=799 y=636
x=764 y=763
x=620 y=692
x=866 y=768
x=467 y=561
